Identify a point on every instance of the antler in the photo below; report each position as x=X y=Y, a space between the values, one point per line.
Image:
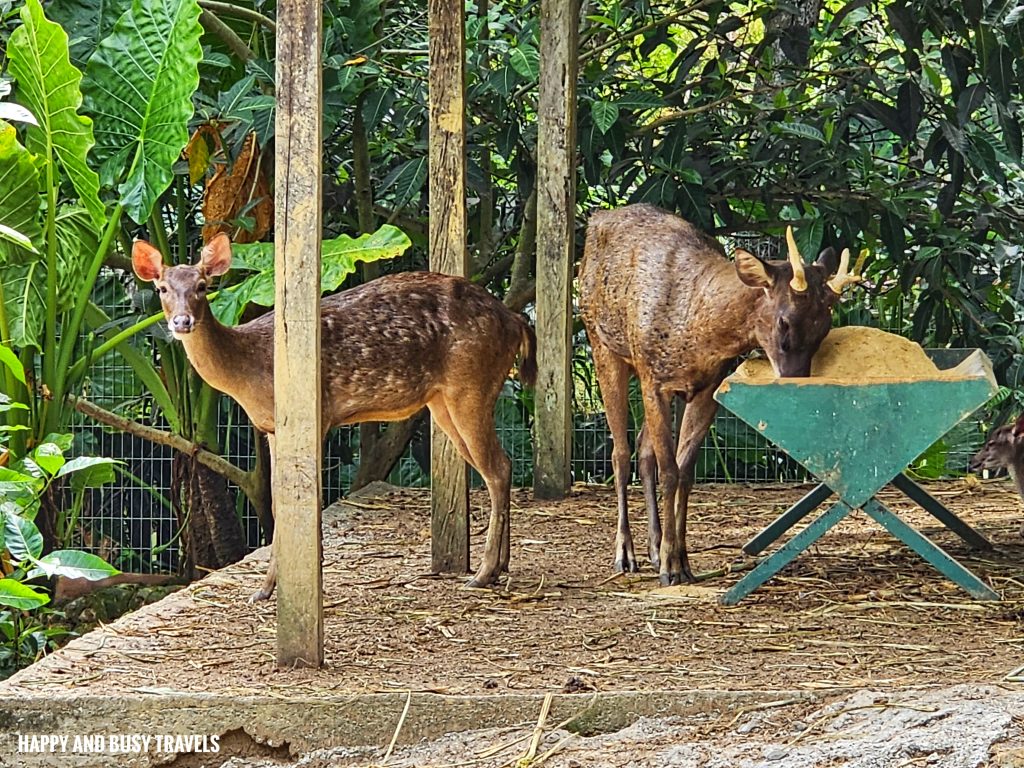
x=842 y=278
x=799 y=281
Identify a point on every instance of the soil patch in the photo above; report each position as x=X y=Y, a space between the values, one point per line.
x=859 y=610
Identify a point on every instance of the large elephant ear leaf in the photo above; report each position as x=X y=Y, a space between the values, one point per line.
x=138 y=87
x=48 y=85
x=19 y=193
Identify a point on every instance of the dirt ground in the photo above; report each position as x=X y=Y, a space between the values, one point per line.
x=859 y=613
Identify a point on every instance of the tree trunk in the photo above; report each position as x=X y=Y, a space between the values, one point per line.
x=387 y=450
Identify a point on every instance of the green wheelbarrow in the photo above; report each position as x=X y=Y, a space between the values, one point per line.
x=855 y=437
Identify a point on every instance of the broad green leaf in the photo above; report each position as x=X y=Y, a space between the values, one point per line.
x=809 y=237
x=86 y=22
x=338 y=258
x=24 y=290
x=525 y=59
x=48 y=85
x=604 y=113
x=139 y=85
x=72 y=564
x=89 y=471
x=19 y=191
x=24 y=541
x=17 y=595
x=16 y=238
x=10 y=359
x=77 y=243
x=49 y=457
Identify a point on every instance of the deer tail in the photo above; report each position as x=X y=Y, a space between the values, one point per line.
x=528 y=355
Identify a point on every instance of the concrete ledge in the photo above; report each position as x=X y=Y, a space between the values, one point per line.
x=301 y=725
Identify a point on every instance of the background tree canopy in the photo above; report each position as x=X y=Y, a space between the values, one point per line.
x=894 y=126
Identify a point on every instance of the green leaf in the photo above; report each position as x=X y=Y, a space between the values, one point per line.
x=49 y=457
x=406 y=181
x=48 y=85
x=10 y=359
x=16 y=238
x=77 y=243
x=25 y=302
x=15 y=113
x=338 y=258
x=89 y=471
x=139 y=85
x=19 y=189
x=525 y=59
x=604 y=114
x=72 y=564
x=17 y=595
x=808 y=238
x=803 y=131
x=86 y=22
x=24 y=541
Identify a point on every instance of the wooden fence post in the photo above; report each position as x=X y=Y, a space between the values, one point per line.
x=449 y=479
x=298 y=445
x=556 y=208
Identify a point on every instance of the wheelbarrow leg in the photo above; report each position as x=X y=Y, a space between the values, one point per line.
x=775 y=562
x=934 y=554
x=788 y=519
x=934 y=507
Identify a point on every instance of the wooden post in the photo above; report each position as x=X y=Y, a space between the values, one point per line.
x=297 y=443
x=449 y=479
x=556 y=208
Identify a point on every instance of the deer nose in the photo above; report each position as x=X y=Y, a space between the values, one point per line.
x=182 y=323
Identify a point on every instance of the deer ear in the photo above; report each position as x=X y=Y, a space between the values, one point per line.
x=752 y=271
x=147 y=261
x=829 y=259
x=216 y=256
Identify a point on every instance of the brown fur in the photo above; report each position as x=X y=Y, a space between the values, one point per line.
x=660 y=301
x=390 y=347
x=1004 y=450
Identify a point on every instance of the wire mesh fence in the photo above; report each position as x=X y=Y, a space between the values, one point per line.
x=133 y=521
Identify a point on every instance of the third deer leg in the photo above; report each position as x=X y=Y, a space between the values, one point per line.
x=270 y=581
x=613 y=377
x=658 y=423
x=697 y=418
x=470 y=415
x=648 y=465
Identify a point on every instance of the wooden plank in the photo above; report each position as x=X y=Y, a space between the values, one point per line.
x=298 y=439
x=934 y=554
x=786 y=554
x=556 y=206
x=449 y=479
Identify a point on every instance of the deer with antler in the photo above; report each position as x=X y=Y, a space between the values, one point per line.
x=661 y=301
x=1004 y=449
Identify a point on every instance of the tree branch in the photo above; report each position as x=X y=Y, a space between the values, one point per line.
x=217 y=463
x=239 y=12
x=212 y=24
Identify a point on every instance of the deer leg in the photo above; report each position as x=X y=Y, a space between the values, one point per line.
x=648 y=464
x=613 y=378
x=697 y=418
x=471 y=416
x=658 y=426
x=270 y=581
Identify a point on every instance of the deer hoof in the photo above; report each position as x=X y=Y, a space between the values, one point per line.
x=259 y=596
x=626 y=565
x=669 y=579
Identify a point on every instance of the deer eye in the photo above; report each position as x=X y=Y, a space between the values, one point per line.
x=163 y=289
x=201 y=288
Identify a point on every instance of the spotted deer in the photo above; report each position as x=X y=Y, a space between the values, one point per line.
x=1004 y=449
x=389 y=348
x=661 y=301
